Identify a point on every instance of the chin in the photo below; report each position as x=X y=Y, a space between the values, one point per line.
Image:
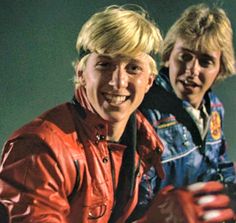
x=115 y=118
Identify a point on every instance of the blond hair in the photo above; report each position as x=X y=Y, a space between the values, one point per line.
x=203 y=28
x=119 y=30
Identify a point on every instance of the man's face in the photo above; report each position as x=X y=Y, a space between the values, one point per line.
x=115 y=86
x=192 y=73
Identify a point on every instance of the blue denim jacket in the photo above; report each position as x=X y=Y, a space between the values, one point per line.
x=187 y=157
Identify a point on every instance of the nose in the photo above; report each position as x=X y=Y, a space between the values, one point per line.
x=193 y=67
x=119 y=78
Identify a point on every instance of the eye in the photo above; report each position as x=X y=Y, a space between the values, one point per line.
x=133 y=68
x=205 y=62
x=185 y=57
x=104 y=65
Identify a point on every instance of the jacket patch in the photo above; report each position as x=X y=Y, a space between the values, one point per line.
x=215 y=125
x=165 y=122
x=165 y=125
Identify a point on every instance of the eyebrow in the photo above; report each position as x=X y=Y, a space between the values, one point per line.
x=101 y=56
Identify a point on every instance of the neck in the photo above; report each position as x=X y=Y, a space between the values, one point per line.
x=194 y=100
x=115 y=130
x=196 y=103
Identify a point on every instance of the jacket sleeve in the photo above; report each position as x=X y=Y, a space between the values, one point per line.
x=32 y=184
x=225 y=166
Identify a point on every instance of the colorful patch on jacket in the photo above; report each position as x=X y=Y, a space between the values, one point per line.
x=215 y=125
x=165 y=122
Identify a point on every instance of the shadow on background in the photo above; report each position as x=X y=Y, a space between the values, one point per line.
x=37 y=46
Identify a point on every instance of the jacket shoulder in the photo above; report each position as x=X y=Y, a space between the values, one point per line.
x=53 y=127
x=215 y=99
x=50 y=136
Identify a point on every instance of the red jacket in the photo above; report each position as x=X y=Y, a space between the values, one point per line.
x=60 y=169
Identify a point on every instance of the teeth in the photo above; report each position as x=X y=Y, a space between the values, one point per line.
x=187 y=82
x=115 y=99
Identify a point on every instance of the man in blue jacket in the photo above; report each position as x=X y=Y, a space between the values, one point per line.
x=197 y=52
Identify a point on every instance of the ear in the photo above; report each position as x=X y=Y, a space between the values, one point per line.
x=80 y=75
x=150 y=82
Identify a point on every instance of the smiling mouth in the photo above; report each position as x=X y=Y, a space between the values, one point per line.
x=115 y=99
x=188 y=83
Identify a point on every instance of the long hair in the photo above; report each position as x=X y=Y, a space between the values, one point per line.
x=203 y=28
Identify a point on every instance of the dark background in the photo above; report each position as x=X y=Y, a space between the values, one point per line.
x=37 y=46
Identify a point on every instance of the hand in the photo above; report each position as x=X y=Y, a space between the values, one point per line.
x=211 y=206
x=197 y=203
